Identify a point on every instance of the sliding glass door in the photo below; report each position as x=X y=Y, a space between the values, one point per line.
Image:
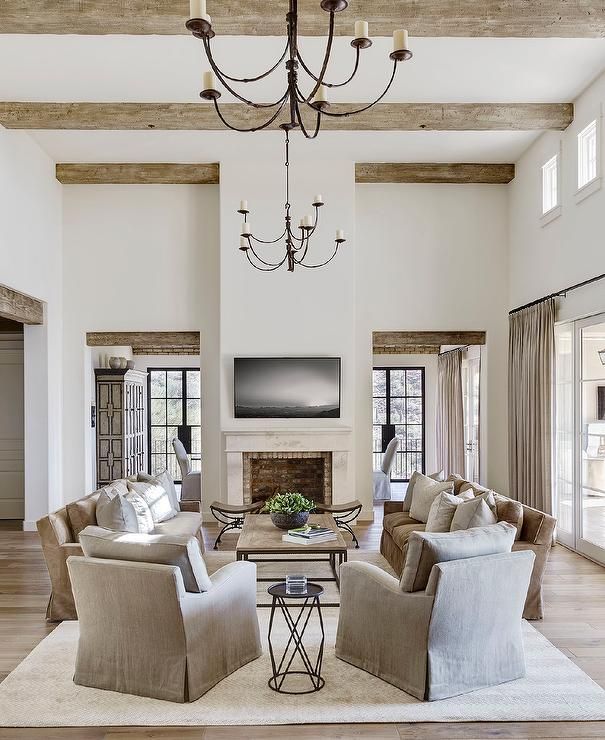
x=580 y=436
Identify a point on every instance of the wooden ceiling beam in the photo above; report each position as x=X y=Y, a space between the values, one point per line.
x=138 y=174
x=19 y=307
x=489 y=18
x=453 y=173
x=202 y=117
x=395 y=342
x=148 y=342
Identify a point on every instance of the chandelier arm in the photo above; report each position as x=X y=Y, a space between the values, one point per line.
x=319 y=79
x=265 y=269
x=302 y=125
x=272 y=241
x=320 y=264
x=365 y=107
x=247 y=79
x=331 y=84
x=254 y=128
x=228 y=87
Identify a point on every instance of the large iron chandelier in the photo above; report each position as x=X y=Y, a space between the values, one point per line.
x=296 y=244
x=200 y=25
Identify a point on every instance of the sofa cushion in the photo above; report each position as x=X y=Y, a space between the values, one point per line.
x=390 y=521
x=511 y=511
x=156 y=497
x=402 y=533
x=442 y=511
x=425 y=549
x=184 y=523
x=180 y=550
x=417 y=476
x=473 y=513
x=458 y=482
x=425 y=491
x=163 y=479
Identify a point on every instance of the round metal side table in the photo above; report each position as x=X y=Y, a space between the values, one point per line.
x=297 y=625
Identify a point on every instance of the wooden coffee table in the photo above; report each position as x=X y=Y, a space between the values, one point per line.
x=260 y=537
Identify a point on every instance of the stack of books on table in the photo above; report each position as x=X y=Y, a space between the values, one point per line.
x=310 y=535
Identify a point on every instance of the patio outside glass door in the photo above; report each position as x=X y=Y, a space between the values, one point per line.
x=580 y=436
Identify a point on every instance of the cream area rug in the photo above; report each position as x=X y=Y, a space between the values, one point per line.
x=40 y=692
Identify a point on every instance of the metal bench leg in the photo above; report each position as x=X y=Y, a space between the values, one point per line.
x=230 y=525
x=344 y=525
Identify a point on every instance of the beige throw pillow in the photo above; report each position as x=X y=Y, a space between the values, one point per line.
x=181 y=550
x=425 y=549
x=157 y=499
x=424 y=493
x=416 y=476
x=442 y=511
x=473 y=513
x=511 y=511
x=163 y=479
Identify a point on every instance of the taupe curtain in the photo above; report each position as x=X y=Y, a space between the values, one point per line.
x=450 y=413
x=530 y=379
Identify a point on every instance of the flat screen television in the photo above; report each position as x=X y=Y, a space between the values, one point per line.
x=287 y=387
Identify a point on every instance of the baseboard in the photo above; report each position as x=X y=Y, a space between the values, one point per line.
x=29 y=526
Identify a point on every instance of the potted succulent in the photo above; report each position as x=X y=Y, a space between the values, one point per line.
x=289 y=509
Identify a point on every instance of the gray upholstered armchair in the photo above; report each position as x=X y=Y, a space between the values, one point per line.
x=450 y=626
x=142 y=633
x=191 y=485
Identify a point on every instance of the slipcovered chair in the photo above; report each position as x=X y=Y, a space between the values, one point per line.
x=451 y=625
x=143 y=633
x=382 y=477
x=191 y=482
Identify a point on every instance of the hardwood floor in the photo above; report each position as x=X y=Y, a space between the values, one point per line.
x=575 y=623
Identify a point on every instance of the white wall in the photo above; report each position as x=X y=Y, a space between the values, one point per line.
x=137 y=258
x=30 y=261
x=434 y=257
x=568 y=250
x=429 y=363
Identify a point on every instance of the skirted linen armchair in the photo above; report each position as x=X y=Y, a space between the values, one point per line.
x=142 y=633
x=459 y=633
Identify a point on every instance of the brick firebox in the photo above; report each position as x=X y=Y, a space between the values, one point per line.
x=267 y=473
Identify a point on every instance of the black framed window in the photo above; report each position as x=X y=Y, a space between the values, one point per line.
x=399 y=409
x=174 y=409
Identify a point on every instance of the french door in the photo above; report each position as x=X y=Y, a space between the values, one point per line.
x=398 y=410
x=174 y=410
x=471 y=374
x=580 y=435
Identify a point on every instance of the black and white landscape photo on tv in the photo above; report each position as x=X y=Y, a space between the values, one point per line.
x=287 y=387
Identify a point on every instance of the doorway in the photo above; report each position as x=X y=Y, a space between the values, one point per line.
x=12 y=412
x=580 y=435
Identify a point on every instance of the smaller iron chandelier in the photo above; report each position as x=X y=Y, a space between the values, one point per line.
x=296 y=246
x=293 y=99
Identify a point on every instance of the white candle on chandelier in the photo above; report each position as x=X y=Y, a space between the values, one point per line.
x=243 y=205
x=340 y=234
x=245 y=229
x=301 y=223
x=209 y=82
x=243 y=242
x=197 y=9
x=400 y=40
x=308 y=221
x=318 y=199
x=362 y=30
x=321 y=96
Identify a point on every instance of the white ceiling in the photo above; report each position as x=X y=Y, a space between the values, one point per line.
x=168 y=69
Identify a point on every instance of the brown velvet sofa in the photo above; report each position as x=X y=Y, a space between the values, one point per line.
x=59 y=533
x=536 y=535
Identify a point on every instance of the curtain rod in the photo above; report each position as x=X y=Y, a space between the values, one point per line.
x=456 y=349
x=559 y=293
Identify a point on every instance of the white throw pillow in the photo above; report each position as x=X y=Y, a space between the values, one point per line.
x=416 y=477
x=474 y=513
x=115 y=512
x=424 y=493
x=442 y=511
x=157 y=499
x=163 y=479
x=145 y=523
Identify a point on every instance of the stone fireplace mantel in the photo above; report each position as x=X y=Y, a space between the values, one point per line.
x=337 y=440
